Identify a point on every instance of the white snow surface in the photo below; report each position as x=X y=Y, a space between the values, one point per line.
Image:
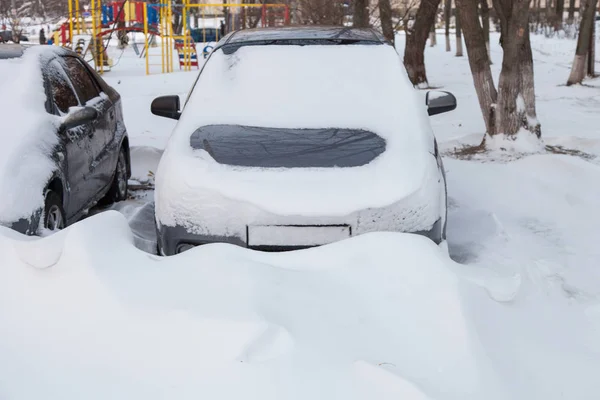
x=355 y=87
x=27 y=134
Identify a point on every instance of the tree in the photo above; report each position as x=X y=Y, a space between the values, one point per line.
x=558 y=16
x=515 y=110
x=571 y=16
x=320 y=12
x=385 y=14
x=586 y=33
x=447 y=15
x=485 y=19
x=416 y=38
x=479 y=62
x=361 y=14
x=511 y=109
x=458 y=25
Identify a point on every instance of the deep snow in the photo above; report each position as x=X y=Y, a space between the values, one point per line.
x=377 y=316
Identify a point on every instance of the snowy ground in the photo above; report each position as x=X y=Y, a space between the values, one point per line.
x=514 y=315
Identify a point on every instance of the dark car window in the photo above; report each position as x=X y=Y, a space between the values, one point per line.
x=250 y=146
x=62 y=90
x=86 y=88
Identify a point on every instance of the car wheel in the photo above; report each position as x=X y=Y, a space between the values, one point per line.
x=119 y=187
x=54 y=214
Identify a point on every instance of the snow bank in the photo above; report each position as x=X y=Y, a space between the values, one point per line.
x=353 y=87
x=371 y=317
x=27 y=134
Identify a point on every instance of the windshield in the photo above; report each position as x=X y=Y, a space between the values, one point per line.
x=287 y=148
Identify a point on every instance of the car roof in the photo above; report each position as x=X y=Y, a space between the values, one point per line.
x=300 y=35
x=306 y=32
x=16 y=50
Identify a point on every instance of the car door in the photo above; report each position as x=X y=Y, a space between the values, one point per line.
x=75 y=141
x=88 y=91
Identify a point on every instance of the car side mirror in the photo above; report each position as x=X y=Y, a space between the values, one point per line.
x=439 y=102
x=166 y=106
x=79 y=116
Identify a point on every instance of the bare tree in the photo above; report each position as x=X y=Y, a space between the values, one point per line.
x=515 y=109
x=458 y=27
x=414 y=57
x=360 y=18
x=571 y=16
x=587 y=11
x=447 y=15
x=432 y=35
x=320 y=12
x=558 y=16
x=385 y=14
x=591 y=59
x=479 y=62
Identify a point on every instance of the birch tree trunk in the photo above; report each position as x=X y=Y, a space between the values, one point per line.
x=578 y=70
x=416 y=38
x=516 y=94
x=458 y=24
x=432 y=35
x=479 y=62
x=447 y=15
x=385 y=13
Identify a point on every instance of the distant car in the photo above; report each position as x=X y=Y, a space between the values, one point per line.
x=7 y=36
x=299 y=137
x=206 y=35
x=64 y=143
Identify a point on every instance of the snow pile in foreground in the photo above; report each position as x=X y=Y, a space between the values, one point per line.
x=27 y=134
x=377 y=316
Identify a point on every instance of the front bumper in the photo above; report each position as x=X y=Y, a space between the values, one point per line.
x=176 y=239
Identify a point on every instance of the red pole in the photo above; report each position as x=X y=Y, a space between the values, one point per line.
x=287 y=15
x=264 y=15
x=63 y=34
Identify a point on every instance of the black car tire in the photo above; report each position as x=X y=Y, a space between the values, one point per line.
x=119 y=187
x=54 y=213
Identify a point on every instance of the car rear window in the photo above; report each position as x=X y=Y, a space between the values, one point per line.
x=249 y=146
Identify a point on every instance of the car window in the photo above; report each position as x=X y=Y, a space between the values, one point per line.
x=62 y=90
x=84 y=84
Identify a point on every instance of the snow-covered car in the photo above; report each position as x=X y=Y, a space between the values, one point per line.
x=64 y=143
x=298 y=137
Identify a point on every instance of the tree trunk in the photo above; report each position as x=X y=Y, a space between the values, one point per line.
x=558 y=18
x=459 y=44
x=385 y=13
x=578 y=70
x=516 y=95
x=485 y=19
x=432 y=35
x=479 y=61
x=361 y=14
x=591 y=58
x=571 y=17
x=416 y=38
x=447 y=15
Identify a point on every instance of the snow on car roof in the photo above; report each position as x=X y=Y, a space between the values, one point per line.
x=27 y=134
x=306 y=32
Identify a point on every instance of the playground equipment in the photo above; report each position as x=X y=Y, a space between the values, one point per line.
x=92 y=28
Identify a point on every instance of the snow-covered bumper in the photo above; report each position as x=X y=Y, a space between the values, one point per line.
x=223 y=220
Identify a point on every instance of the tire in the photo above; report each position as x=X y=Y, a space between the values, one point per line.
x=54 y=213
x=119 y=187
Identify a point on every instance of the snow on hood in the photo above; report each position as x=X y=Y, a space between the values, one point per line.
x=27 y=136
x=353 y=87
x=377 y=316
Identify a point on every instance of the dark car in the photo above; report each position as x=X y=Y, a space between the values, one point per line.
x=7 y=36
x=90 y=160
x=205 y=35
